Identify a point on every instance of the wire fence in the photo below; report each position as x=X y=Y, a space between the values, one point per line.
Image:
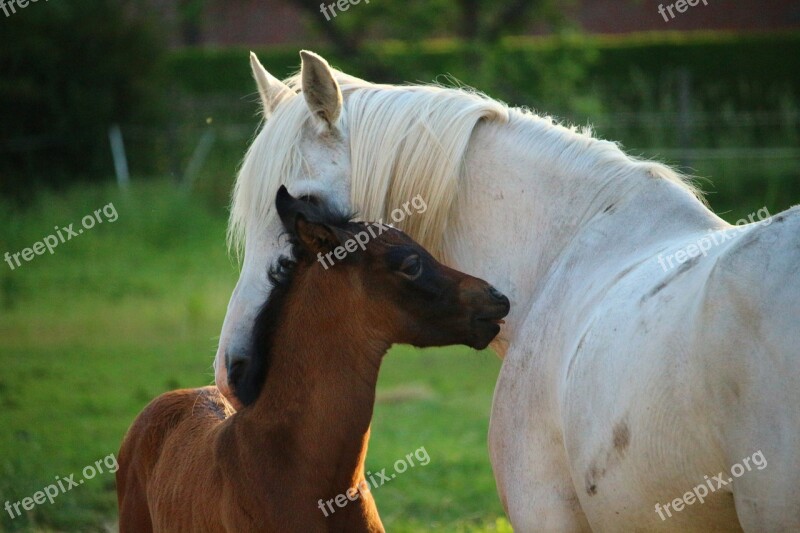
x=203 y=147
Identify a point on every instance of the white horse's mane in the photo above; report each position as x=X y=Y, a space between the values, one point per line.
x=409 y=140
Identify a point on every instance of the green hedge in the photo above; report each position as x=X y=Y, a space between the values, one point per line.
x=747 y=71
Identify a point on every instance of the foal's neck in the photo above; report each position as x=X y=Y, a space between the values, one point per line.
x=319 y=393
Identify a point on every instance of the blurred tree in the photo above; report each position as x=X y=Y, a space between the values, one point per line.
x=411 y=20
x=70 y=69
x=483 y=57
x=476 y=22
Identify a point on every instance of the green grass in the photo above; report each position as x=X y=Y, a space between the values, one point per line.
x=132 y=308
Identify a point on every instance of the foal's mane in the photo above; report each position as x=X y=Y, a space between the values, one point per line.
x=408 y=140
x=281 y=276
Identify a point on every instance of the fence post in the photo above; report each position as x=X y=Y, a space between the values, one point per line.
x=118 y=153
x=198 y=158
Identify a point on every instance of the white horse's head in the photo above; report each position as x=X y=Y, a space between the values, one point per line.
x=302 y=145
x=333 y=138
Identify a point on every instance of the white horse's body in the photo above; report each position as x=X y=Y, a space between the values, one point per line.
x=624 y=383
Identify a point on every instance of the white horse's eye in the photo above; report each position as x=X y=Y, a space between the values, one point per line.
x=313 y=200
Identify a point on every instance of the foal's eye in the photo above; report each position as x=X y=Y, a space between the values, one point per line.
x=411 y=267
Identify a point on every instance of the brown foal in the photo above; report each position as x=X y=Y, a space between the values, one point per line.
x=188 y=463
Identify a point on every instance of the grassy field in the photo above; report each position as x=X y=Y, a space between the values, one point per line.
x=132 y=308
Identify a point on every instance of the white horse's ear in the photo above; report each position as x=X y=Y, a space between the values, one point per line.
x=320 y=89
x=271 y=89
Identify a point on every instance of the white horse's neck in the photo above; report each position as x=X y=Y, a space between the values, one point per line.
x=534 y=194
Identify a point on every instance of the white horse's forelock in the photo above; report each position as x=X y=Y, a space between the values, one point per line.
x=409 y=140
x=404 y=140
x=262 y=173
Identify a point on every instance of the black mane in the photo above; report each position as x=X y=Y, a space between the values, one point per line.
x=248 y=381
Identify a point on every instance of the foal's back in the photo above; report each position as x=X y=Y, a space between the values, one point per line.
x=173 y=439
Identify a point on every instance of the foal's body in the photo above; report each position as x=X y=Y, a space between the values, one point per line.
x=193 y=429
x=189 y=464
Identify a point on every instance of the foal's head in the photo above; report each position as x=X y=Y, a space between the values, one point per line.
x=369 y=283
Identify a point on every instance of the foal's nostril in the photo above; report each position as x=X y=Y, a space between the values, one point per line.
x=497 y=295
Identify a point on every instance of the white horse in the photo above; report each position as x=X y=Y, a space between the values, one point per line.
x=650 y=346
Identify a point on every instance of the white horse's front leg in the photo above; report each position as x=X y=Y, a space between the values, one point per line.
x=528 y=457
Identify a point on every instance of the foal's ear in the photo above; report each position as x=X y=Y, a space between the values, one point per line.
x=271 y=89
x=320 y=89
x=289 y=207
x=314 y=237
x=294 y=215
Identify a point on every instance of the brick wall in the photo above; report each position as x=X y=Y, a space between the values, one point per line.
x=621 y=16
x=265 y=22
